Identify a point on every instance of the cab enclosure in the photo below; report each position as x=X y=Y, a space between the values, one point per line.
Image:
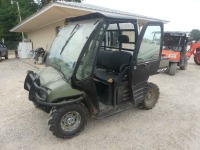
x=101 y=62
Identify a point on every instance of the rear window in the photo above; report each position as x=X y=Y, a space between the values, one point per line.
x=119 y=36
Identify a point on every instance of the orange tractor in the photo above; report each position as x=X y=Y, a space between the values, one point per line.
x=175 y=48
x=195 y=50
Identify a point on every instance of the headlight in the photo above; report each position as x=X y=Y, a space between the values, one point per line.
x=172 y=56
x=42 y=94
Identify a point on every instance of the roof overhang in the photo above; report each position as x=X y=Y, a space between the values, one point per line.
x=55 y=12
x=48 y=15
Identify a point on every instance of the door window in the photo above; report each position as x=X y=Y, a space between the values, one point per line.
x=150 y=45
x=87 y=61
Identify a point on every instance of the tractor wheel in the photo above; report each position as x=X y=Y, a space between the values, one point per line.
x=44 y=108
x=197 y=58
x=172 y=69
x=151 y=97
x=68 y=121
x=184 y=67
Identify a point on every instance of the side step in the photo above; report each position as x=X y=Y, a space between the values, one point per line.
x=114 y=110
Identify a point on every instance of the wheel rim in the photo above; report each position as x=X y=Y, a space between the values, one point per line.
x=70 y=121
x=150 y=97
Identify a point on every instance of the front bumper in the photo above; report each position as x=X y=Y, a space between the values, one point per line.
x=39 y=94
x=32 y=84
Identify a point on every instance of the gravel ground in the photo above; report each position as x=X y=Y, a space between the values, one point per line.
x=174 y=124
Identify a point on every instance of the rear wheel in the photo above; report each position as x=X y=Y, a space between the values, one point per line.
x=68 y=121
x=172 y=69
x=0 y=57
x=151 y=97
x=184 y=67
x=197 y=58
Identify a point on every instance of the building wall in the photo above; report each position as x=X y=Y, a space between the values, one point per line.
x=43 y=37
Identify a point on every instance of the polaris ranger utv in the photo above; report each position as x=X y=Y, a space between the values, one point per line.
x=97 y=66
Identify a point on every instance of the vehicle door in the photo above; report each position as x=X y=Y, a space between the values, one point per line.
x=146 y=59
x=3 y=50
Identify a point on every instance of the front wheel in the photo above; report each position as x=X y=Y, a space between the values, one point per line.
x=68 y=121
x=151 y=97
x=197 y=58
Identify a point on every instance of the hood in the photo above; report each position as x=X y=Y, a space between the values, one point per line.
x=49 y=75
x=56 y=85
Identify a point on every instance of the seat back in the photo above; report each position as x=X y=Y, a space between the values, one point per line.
x=113 y=60
x=123 y=39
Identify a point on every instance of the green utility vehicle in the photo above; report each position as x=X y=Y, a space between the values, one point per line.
x=97 y=66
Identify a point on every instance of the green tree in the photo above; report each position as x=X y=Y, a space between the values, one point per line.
x=45 y=2
x=9 y=17
x=195 y=35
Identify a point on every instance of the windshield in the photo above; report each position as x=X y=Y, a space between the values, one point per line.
x=68 y=45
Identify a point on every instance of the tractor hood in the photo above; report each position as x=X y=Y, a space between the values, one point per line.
x=56 y=85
